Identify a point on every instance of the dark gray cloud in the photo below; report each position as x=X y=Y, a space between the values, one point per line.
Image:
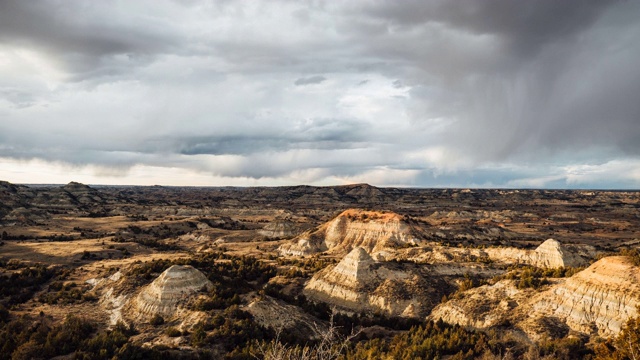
x=310 y=80
x=525 y=28
x=558 y=76
x=437 y=92
x=319 y=134
x=85 y=37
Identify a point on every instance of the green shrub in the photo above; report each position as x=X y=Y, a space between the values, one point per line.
x=173 y=332
x=156 y=320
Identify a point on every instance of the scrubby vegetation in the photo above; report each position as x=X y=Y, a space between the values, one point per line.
x=534 y=277
x=632 y=254
x=330 y=345
x=231 y=276
x=232 y=329
x=626 y=346
x=231 y=333
x=26 y=338
x=303 y=267
x=20 y=281
x=429 y=341
x=60 y=292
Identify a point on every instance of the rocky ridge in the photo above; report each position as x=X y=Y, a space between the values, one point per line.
x=360 y=284
x=550 y=254
x=599 y=299
x=282 y=229
x=372 y=230
x=595 y=301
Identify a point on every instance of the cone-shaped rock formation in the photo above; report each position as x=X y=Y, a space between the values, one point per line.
x=550 y=254
x=358 y=283
x=174 y=285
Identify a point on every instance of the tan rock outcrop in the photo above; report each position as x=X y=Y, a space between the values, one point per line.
x=359 y=284
x=600 y=298
x=596 y=301
x=484 y=306
x=371 y=230
x=165 y=293
x=282 y=229
x=550 y=254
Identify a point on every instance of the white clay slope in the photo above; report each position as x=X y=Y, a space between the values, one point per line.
x=372 y=230
x=174 y=285
x=354 y=270
x=596 y=301
x=282 y=229
x=600 y=298
x=343 y=284
x=358 y=283
x=550 y=254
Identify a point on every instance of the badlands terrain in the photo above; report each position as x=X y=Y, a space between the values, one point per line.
x=351 y=272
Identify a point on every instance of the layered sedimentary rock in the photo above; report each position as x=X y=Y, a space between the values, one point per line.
x=484 y=306
x=550 y=254
x=174 y=285
x=282 y=229
x=596 y=301
x=360 y=284
x=371 y=230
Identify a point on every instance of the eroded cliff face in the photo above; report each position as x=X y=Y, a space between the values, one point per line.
x=374 y=231
x=484 y=306
x=550 y=254
x=596 y=301
x=360 y=284
x=165 y=293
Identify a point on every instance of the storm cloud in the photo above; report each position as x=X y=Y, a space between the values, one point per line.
x=420 y=93
x=310 y=80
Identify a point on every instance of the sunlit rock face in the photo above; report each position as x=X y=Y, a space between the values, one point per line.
x=596 y=301
x=599 y=299
x=550 y=254
x=360 y=284
x=371 y=230
x=173 y=286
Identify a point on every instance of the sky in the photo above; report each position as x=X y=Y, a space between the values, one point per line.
x=415 y=93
